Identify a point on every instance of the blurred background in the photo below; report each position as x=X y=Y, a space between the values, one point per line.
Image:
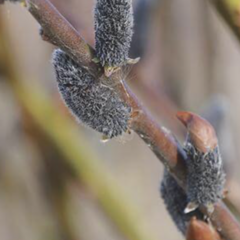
x=57 y=179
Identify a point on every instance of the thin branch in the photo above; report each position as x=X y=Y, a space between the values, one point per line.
x=161 y=141
x=228 y=15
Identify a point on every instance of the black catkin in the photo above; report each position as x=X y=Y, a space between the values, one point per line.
x=206 y=178
x=175 y=201
x=94 y=104
x=113 y=31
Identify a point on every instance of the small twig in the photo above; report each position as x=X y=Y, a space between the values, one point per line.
x=55 y=26
x=224 y=10
x=161 y=141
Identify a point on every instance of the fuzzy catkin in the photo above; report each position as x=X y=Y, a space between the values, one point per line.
x=94 y=104
x=206 y=178
x=175 y=201
x=113 y=31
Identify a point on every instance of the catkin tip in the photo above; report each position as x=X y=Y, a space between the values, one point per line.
x=113 y=31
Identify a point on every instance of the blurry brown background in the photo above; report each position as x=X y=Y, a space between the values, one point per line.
x=190 y=60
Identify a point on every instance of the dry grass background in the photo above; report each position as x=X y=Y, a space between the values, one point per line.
x=190 y=57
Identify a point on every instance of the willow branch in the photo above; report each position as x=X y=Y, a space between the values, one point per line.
x=56 y=27
x=160 y=140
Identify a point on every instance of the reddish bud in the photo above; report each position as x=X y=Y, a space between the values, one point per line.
x=201 y=133
x=199 y=230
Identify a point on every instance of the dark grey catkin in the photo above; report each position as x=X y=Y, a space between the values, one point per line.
x=175 y=201
x=206 y=178
x=94 y=104
x=113 y=31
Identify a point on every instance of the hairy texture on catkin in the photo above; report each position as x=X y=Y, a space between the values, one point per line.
x=94 y=104
x=175 y=200
x=113 y=31
x=206 y=178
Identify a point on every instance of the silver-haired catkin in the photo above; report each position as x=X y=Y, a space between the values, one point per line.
x=205 y=175
x=113 y=31
x=94 y=104
x=206 y=178
x=176 y=200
